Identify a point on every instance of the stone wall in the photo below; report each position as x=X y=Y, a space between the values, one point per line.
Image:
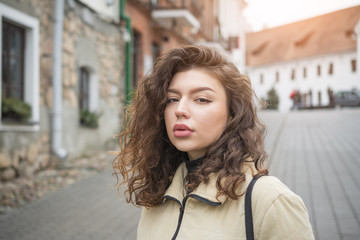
x=23 y=153
x=90 y=42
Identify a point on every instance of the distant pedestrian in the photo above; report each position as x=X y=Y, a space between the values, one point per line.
x=331 y=97
x=190 y=148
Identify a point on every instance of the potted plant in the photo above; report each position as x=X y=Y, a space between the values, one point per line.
x=13 y=109
x=89 y=119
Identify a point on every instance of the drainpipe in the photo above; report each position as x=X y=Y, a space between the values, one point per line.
x=56 y=130
x=127 y=20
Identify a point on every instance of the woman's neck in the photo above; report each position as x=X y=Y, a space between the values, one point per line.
x=195 y=155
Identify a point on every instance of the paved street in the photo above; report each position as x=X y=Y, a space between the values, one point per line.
x=316 y=153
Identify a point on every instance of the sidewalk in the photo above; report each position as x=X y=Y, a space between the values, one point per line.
x=316 y=153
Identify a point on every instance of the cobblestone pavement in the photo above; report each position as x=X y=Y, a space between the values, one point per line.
x=88 y=209
x=316 y=153
x=21 y=191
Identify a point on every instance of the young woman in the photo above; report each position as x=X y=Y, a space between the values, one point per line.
x=191 y=145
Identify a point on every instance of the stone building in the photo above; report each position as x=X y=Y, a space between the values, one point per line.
x=314 y=58
x=87 y=102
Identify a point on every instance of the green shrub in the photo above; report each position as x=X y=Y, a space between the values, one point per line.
x=89 y=119
x=15 y=109
x=272 y=99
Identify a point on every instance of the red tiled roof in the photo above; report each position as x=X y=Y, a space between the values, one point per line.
x=323 y=34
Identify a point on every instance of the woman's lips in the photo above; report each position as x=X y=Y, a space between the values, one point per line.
x=181 y=130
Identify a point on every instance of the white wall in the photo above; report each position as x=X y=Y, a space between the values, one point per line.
x=342 y=77
x=107 y=9
x=232 y=23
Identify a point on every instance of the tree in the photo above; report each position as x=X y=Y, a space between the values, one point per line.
x=272 y=99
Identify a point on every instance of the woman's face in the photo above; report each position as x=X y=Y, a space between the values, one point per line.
x=196 y=112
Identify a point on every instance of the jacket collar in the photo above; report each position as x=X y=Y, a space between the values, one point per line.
x=205 y=193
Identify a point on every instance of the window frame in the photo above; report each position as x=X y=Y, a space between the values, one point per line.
x=277 y=76
x=293 y=74
x=93 y=88
x=353 y=64
x=318 y=70
x=84 y=94
x=31 y=66
x=331 y=68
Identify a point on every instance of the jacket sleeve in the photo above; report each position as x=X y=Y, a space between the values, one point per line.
x=286 y=218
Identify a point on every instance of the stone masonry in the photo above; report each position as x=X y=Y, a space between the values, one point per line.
x=24 y=153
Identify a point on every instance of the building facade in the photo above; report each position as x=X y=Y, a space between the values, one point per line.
x=68 y=68
x=160 y=25
x=312 y=58
x=63 y=105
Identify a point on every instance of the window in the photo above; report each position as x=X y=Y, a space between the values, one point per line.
x=277 y=77
x=155 y=51
x=20 y=64
x=353 y=65
x=261 y=78
x=318 y=70
x=12 y=61
x=331 y=70
x=153 y=3
x=84 y=89
x=88 y=93
x=304 y=72
x=137 y=56
x=293 y=74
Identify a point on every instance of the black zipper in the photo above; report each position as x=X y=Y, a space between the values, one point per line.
x=204 y=200
x=182 y=208
x=181 y=215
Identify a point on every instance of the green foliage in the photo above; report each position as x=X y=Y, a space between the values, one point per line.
x=272 y=99
x=89 y=119
x=15 y=109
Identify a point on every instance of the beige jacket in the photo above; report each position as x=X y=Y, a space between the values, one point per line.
x=278 y=213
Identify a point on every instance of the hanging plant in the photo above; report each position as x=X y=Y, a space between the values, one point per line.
x=15 y=110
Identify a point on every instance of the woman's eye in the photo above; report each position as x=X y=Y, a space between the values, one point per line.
x=170 y=100
x=203 y=100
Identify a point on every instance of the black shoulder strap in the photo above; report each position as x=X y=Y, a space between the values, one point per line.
x=248 y=211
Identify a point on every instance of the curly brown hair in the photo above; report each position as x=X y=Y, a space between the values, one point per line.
x=147 y=159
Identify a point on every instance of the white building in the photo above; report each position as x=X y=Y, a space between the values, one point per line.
x=309 y=56
x=233 y=28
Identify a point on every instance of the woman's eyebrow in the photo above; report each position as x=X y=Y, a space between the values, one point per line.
x=194 y=90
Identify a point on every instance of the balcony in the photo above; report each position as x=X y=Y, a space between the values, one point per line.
x=172 y=14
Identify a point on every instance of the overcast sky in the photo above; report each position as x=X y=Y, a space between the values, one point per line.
x=271 y=13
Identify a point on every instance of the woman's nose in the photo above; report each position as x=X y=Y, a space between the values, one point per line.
x=182 y=110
